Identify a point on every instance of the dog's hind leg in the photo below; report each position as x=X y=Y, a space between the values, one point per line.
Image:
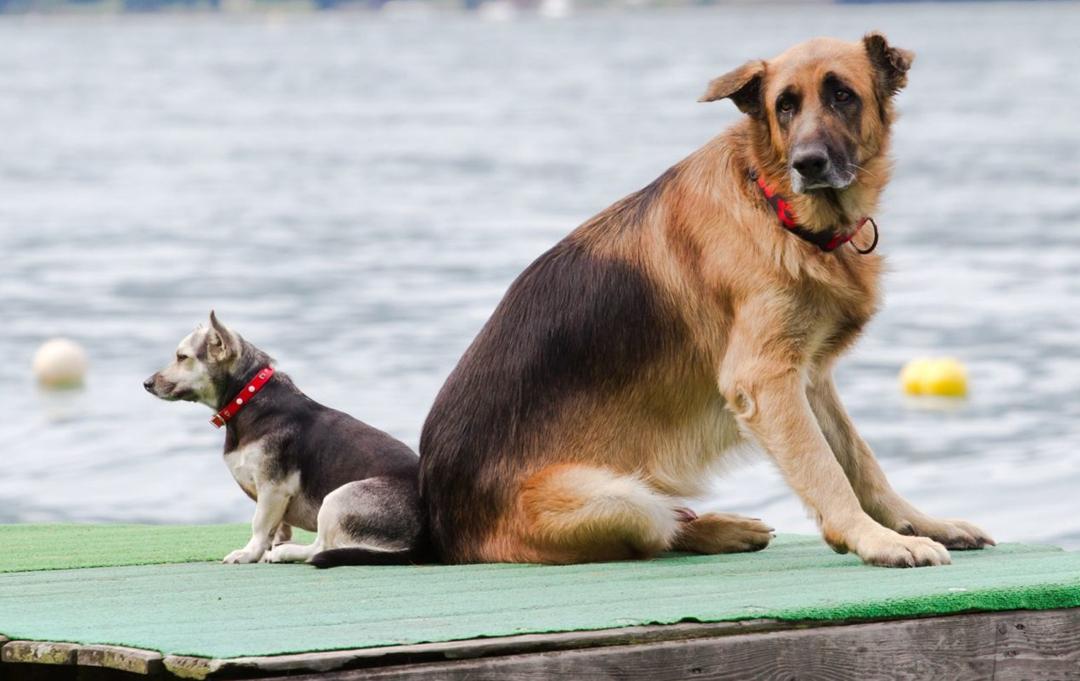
x=376 y=521
x=721 y=533
x=579 y=513
x=376 y=515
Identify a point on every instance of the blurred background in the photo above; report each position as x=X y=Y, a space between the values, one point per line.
x=354 y=189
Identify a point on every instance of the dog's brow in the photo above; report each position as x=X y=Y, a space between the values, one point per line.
x=789 y=91
x=185 y=346
x=200 y=349
x=833 y=77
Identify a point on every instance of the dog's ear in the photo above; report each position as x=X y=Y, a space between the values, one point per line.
x=742 y=86
x=221 y=343
x=891 y=64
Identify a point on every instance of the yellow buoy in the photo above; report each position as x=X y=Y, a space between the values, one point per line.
x=940 y=377
x=912 y=373
x=60 y=363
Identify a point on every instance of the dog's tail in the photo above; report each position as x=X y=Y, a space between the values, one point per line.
x=360 y=556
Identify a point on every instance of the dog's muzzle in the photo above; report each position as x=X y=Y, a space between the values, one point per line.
x=813 y=168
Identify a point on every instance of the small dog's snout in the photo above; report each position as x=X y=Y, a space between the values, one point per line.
x=148 y=384
x=811 y=163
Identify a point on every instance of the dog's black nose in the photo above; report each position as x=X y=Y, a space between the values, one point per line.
x=149 y=384
x=811 y=163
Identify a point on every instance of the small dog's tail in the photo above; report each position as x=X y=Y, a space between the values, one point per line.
x=359 y=556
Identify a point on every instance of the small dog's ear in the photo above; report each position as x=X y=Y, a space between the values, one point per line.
x=742 y=86
x=221 y=343
x=890 y=63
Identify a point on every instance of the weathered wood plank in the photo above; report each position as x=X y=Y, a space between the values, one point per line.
x=46 y=663
x=958 y=648
x=120 y=658
x=780 y=655
x=186 y=667
x=38 y=652
x=203 y=668
x=1049 y=643
x=1004 y=646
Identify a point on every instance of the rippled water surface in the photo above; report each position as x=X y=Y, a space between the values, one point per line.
x=354 y=192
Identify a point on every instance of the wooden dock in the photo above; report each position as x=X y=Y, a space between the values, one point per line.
x=1013 y=645
x=795 y=611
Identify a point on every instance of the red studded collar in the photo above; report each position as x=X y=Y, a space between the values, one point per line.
x=828 y=240
x=243 y=397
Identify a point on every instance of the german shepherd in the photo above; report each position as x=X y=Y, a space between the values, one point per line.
x=706 y=310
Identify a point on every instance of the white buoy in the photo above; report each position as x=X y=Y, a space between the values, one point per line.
x=60 y=363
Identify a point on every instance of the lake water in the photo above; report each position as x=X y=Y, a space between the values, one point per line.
x=353 y=192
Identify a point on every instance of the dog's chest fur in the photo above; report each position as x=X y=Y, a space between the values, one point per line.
x=247 y=463
x=832 y=305
x=256 y=465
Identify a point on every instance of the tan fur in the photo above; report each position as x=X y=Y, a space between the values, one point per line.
x=722 y=533
x=765 y=316
x=610 y=515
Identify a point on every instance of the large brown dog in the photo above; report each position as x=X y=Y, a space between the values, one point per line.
x=625 y=362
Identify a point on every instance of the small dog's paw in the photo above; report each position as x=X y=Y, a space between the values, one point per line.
x=240 y=556
x=271 y=556
x=953 y=534
x=886 y=548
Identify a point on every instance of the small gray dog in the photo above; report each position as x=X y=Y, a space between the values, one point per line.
x=305 y=465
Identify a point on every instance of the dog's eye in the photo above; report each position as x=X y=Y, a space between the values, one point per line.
x=180 y=357
x=842 y=95
x=786 y=105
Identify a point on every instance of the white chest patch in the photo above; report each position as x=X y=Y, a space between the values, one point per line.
x=247 y=464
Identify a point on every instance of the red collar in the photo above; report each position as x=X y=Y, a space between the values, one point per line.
x=828 y=240
x=243 y=397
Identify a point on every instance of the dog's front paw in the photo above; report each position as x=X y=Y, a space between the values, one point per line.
x=953 y=534
x=272 y=556
x=886 y=548
x=241 y=556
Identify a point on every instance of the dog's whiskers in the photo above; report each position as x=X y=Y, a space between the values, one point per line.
x=863 y=169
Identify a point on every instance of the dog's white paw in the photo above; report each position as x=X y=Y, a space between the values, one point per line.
x=241 y=556
x=889 y=549
x=272 y=556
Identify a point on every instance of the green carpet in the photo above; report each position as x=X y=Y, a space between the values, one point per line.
x=54 y=547
x=214 y=610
